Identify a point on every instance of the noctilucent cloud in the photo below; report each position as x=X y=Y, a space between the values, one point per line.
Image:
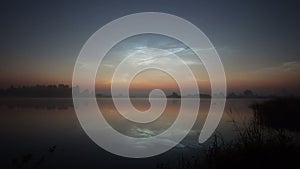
x=258 y=42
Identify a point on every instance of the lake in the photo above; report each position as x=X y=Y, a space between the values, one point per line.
x=31 y=126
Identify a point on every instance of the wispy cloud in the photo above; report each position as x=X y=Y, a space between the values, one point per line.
x=285 y=67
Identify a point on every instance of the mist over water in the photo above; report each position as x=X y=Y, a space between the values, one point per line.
x=31 y=126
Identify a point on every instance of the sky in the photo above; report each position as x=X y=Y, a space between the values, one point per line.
x=258 y=42
x=143 y=50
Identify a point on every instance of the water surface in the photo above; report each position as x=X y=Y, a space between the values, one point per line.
x=31 y=126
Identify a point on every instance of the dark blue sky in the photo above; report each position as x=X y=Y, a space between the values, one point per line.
x=40 y=40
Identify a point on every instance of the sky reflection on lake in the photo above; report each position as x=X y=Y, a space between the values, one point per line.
x=33 y=125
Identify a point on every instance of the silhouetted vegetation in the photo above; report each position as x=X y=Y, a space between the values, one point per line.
x=174 y=95
x=280 y=113
x=250 y=94
x=60 y=90
x=257 y=146
x=246 y=94
x=30 y=161
x=36 y=103
x=64 y=91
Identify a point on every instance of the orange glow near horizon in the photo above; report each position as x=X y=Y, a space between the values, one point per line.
x=248 y=80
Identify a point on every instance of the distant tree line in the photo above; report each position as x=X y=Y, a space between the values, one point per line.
x=246 y=94
x=250 y=94
x=59 y=91
x=65 y=91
